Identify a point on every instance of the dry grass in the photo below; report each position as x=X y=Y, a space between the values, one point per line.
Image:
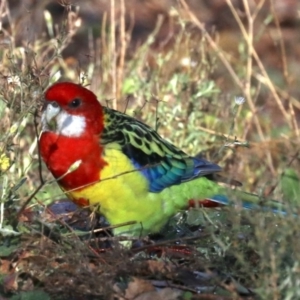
x=224 y=253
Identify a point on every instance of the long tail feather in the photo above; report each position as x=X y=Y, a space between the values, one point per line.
x=244 y=200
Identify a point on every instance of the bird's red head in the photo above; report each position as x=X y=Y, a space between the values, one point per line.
x=72 y=123
x=75 y=110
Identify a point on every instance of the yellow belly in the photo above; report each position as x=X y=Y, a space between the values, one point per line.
x=123 y=195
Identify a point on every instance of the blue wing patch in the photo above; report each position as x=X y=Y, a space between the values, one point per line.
x=162 y=164
x=170 y=171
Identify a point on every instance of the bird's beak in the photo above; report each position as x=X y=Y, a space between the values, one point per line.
x=51 y=111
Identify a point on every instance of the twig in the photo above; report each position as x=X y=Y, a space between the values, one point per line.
x=42 y=182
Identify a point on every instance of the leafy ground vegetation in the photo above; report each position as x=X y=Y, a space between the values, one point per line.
x=183 y=67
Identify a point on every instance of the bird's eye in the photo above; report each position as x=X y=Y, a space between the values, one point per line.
x=75 y=103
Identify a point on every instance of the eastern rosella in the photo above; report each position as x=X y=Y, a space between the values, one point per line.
x=102 y=157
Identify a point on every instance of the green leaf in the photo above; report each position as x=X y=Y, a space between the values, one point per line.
x=31 y=295
x=8 y=231
x=290 y=186
x=130 y=86
x=7 y=250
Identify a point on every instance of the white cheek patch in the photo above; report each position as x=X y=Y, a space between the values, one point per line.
x=69 y=125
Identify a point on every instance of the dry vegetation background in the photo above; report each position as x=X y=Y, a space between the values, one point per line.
x=179 y=66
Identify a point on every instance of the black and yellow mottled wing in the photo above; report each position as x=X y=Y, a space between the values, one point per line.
x=159 y=161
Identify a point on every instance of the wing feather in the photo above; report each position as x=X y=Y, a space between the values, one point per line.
x=159 y=161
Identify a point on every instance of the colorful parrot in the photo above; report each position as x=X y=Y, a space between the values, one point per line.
x=106 y=159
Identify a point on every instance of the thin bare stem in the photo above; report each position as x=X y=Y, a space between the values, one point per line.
x=113 y=53
x=248 y=36
x=123 y=46
x=213 y=44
